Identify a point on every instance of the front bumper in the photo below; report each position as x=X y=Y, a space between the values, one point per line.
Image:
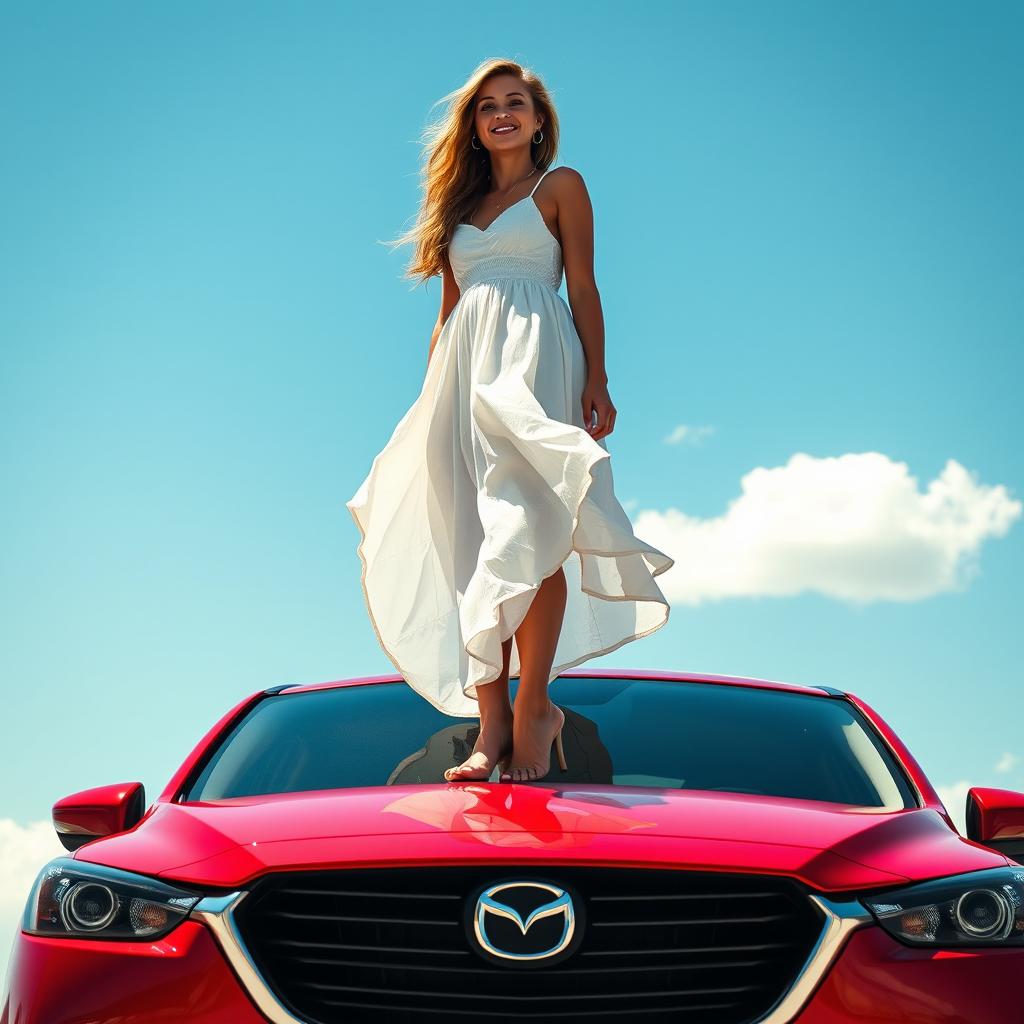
x=183 y=977
x=856 y=974
x=877 y=979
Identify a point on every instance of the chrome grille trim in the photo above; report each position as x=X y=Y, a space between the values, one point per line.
x=841 y=918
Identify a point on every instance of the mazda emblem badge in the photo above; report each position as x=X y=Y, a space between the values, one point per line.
x=525 y=922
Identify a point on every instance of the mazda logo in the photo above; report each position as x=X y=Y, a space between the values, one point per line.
x=524 y=921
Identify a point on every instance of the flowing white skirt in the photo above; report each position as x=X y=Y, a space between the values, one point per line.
x=488 y=484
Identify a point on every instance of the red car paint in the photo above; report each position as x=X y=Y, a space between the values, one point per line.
x=831 y=848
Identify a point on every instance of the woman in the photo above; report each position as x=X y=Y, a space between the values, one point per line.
x=490 y=516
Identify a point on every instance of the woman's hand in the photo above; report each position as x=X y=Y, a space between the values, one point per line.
x=596 y=399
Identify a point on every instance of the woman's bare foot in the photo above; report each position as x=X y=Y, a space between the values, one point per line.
x=533 y=734
x=493 y=744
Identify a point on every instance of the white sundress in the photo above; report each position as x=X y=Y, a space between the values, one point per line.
x=489 y=483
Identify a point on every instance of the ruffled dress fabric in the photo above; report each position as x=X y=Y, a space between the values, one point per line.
x=490 y=483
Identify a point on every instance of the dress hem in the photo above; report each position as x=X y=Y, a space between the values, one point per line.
x=601 y=455
x=641 y=548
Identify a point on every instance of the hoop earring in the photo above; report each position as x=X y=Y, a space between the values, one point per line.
x=541 y=139
x=473 y=145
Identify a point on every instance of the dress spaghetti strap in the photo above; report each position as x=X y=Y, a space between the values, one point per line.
x=539 y=180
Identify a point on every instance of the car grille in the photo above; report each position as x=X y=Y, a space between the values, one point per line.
x=391 y=944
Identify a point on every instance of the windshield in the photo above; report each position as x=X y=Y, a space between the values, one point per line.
x=623 y=732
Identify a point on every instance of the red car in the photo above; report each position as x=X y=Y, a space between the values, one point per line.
x=721 y=850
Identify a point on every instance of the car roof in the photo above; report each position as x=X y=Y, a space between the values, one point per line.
x=597 y=673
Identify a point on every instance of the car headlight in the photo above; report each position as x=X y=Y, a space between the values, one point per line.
x=74 y=898
x=980 y=908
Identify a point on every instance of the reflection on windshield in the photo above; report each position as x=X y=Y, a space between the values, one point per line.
x=620 y=732
x=587 y=758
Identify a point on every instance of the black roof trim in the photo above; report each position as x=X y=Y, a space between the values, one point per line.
x=279 y=687
x=832 y=691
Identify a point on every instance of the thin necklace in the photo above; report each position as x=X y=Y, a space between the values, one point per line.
x=519 y=182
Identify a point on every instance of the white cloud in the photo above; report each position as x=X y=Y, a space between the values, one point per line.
x=1007 y=762
x=684 y=432
x=854 y=527
x=24 y=849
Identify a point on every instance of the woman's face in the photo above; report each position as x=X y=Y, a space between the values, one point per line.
x=505 y=102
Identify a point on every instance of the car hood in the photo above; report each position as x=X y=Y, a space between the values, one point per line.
x=829 y=846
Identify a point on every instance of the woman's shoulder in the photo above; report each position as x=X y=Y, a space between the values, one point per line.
x=566 y=182
x=563 y=172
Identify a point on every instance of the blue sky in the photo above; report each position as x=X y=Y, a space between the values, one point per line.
x=808 y=223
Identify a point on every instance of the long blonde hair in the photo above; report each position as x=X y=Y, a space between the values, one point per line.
x=455 y=176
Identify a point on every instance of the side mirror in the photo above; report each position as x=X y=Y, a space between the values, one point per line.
x=995 y=818
x=104 y=811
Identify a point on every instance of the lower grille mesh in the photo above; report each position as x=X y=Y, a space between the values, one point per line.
x=699 y=948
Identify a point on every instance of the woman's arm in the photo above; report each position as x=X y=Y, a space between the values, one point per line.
x=449 y=297
x=576 y=228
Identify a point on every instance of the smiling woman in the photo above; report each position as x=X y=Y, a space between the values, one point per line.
x=491 y=539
